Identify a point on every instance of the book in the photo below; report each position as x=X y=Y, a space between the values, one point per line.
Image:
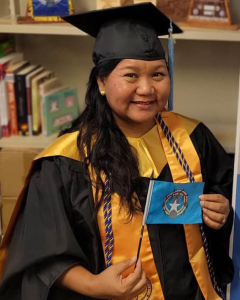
x=11 y=94
x=5 y=62
x=59 y=110
x=11 y=59
x=50 y=86
x=21 y=99
x=29 y=78
x=36 y=100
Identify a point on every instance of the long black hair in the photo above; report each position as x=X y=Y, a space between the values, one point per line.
x=103 y=145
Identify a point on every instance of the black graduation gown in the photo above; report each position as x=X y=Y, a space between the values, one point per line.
x=57 y=228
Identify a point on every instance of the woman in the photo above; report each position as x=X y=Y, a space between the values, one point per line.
x=78 y=226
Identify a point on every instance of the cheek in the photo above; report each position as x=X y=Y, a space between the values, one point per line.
x=163 y=90
x=118 y=92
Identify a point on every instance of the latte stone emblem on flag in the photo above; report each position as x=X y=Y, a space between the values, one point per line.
x=175 y=203
x=49 y=2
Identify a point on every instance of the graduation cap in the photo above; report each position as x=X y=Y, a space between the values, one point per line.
x=127 y=32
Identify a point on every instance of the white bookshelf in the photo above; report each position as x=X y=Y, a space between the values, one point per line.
x=224 y=134
x=27 y=142
x=55 y=29
x=66 y=29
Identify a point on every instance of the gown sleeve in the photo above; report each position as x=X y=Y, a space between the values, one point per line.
x=44 y=244
x=217 y=171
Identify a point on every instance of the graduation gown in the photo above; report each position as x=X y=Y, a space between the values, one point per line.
x=57 y=228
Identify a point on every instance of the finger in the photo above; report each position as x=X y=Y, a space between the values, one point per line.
x=138 y=265
x=210 y=223
x=124 y=265
x=213 y=197
x=141 y=286
x=214 y=206
x=138 y=290
x=133 y=278
x=214 y=216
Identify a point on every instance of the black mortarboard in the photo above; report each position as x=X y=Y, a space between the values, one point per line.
x=125 y=32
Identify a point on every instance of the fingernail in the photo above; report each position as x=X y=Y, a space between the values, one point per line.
x=205 y=217
x=204 y=210
x=134 y=257
x=201 y=197
x=202 y=203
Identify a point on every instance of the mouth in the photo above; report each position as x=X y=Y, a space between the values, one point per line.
x=143 y=102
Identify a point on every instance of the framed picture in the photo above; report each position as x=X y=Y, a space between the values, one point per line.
x=47 y=11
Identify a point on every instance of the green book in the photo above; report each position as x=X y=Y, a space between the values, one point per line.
x=59 y=110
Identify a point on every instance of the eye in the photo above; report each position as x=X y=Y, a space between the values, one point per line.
x=131 y=75
x=158 y=74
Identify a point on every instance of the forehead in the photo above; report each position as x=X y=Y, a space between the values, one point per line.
x=140 y=64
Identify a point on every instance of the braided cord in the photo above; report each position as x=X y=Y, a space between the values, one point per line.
x=107 y=212
x=182 y=161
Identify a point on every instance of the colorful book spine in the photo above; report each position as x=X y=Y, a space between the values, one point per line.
x=36 y=101
x=21 y=99
x=5 y=124
x=29 y=97
x=11 y=96
x=6 y=62
x=12 y=105
x=21 y=105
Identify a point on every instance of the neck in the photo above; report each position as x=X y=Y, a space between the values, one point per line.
x=135 y=130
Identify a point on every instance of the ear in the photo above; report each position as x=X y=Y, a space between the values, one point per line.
x=101 y=83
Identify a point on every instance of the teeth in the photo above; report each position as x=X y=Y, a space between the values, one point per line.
x=144 y=103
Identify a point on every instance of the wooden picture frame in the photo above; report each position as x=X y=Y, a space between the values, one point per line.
x=213 y=14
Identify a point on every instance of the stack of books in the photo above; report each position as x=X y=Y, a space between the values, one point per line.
x=32 y=99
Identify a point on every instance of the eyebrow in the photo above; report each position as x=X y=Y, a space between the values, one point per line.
x=136 y=68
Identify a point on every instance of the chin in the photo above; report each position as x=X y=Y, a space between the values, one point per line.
x=142 y=120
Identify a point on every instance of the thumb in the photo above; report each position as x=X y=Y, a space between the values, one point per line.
x=124 y=265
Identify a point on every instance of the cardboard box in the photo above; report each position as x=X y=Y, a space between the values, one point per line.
x=14 y=166
x=102 y=4
x=8 y=205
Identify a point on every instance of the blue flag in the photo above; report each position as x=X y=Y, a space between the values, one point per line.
x=175 y=203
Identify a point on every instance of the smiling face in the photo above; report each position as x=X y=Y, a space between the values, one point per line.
x=136 y=91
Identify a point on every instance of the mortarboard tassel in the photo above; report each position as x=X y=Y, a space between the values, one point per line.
x=170 y=65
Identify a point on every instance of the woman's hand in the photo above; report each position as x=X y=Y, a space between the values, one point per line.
x=215 y=209
x=107 y=285
x=111 y=285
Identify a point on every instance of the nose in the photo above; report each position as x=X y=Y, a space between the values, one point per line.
x=145 y=87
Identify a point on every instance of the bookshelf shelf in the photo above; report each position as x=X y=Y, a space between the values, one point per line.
x=33 y=142
x=203 y=34
x=225 y=135
x=65 y=29
x=54 y=29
